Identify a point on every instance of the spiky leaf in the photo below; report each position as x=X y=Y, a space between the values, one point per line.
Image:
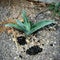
x=26 y=22
x=20 y=23
x=24 y=16
x=39 y=25
x=12 y=25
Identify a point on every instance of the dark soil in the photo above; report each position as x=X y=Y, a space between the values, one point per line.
x=21 y=40
x=34 y=50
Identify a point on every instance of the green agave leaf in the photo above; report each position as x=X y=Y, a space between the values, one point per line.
x=13 y=25
x=20 y=23
x=24 y=16
x=26 y=22
x=39 y=25
x=28 y=26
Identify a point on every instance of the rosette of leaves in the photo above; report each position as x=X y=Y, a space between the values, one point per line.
x=27 y=27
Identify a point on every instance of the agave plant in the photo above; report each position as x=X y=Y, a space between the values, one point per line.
x=26 y=26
